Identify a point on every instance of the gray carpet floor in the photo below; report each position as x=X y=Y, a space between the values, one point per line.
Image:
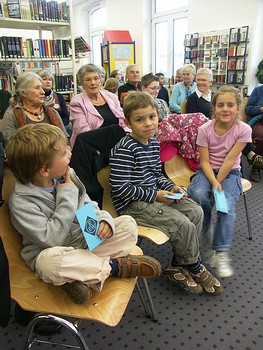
x=233 y=320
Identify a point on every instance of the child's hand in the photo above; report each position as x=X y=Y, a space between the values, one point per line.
x=179 y=189
x=67 y=179
x=162 y=199
x=217 y=185
x=104 y=230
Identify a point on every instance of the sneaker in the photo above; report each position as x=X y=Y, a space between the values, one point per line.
x=78 y=292
x=256 y=160
x=183 y=278
x=208 y=282
x=255 y=174
x=221 y=263
x=143 y=266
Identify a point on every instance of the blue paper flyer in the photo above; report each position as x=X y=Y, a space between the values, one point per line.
x=176 y=195
x=89 y=225
x=221 y=202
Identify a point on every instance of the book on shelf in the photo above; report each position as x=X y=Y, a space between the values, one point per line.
x=13 y=8
x=232 y=51
x=1 y=10
x=241 y=50
x=81 y=46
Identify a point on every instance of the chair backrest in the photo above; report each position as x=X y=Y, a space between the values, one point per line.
x=33 y=294
x=183 y=107
x=103 y=178
x=178 y=170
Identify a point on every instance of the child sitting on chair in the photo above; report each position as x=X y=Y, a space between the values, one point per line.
x=139 y=189
x=220 y=143
x=43 y=207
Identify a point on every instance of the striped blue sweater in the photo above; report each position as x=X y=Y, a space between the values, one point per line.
x=136 y=173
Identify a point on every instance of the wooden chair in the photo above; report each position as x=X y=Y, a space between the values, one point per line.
x=183 y=107
x=179 y=172
x=53 y=303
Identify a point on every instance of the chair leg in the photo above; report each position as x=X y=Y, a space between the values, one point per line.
x=31 y=338
x=148 y=303
x=248 y=218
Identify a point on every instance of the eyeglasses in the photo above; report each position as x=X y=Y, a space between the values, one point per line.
x=155 y=88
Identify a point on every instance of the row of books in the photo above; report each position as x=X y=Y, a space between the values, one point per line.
x=206 y=40
x=239 y=65
x=40 y=10
x=18 y=47
x=193 y=53
x=219 y=79
x=63 y=82
x=235 y=78
x=237 y=50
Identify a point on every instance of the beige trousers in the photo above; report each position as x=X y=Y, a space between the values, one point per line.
x=59 y=265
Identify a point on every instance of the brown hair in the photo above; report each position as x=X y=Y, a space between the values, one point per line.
x=32 y=147
x=147 y=79
x=137 y=100
x=231 y=90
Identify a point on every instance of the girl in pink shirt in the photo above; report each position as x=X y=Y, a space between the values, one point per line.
x=220 y=143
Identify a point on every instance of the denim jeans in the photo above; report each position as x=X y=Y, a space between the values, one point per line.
x=200 y=190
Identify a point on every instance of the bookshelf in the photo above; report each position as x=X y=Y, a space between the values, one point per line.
x=223 y=51
x=237 y=55
x=208 y=50
x=19 y=53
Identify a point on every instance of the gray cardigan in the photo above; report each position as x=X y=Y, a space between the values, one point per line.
x=45 y=221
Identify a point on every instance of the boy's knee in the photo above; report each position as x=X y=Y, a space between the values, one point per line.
x=48 y=264
x=128 y=224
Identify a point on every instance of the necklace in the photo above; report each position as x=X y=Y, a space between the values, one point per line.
x=36 y=114
x=100 y=101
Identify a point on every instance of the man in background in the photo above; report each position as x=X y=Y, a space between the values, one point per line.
x=132 y=82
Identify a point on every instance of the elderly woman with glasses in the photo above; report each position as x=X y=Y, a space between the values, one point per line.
x=150 y=84
x=93 y=108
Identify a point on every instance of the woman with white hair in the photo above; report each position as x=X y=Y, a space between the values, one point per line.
x=54 y=99
x=200 y=100
x=183 y=90
x=93 y=108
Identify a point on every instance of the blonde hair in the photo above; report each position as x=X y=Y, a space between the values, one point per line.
x=189 y=67
x=227 y=89
x=32 y=147
x=111 y=85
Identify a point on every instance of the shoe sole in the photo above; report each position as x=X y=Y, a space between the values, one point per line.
x=77 y=291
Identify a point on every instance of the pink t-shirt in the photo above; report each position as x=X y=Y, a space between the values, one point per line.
x=219 y=146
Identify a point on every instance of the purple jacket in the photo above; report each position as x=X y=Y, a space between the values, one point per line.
x=85 y=117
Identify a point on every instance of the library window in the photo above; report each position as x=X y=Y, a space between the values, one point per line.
x=98 y=24
x=167 y=5
x=168 y=31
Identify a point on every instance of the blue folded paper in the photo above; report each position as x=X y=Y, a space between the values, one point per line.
x=175 y=195
x=221 y=202
x=89 y=225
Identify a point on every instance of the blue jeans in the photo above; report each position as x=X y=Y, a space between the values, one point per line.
x=200 y=190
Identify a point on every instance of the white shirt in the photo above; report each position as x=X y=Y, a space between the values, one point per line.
x=205 y=97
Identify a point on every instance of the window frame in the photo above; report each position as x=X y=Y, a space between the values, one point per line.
x=98 y=31
x=166 y=16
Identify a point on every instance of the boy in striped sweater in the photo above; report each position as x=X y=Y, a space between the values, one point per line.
x=140 y=189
